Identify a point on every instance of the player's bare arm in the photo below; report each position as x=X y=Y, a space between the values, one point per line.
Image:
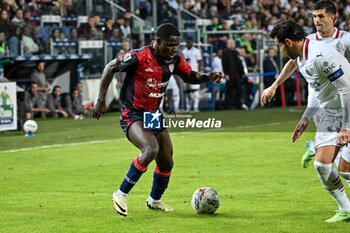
x=289 y=68
x=300 y=128
x=197 y=78
x=106 y=80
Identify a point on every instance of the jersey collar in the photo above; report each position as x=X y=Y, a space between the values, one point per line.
x=334 y=36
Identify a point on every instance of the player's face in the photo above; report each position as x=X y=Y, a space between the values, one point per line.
x=323 y=21
x=167 y=48
x=287 y=48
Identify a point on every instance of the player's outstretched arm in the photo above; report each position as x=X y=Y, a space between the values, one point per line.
x=197 y=78
x=312 y=106
x=300 y=128
x=289 y=68
x=106 y=79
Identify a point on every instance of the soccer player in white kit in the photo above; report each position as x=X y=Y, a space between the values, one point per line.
x=324 y=13
x=328 y=73
x=194 y=57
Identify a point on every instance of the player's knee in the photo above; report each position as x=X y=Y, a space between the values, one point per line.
x=150 y=151
x=324 y=170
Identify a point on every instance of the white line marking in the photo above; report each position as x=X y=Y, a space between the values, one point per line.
x=56 y=145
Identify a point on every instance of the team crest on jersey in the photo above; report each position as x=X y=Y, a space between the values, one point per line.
x=340 y=47
x=127 y=57
x=171 y=67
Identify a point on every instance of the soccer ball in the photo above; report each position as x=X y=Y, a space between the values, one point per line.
x=30 y=126
x=205 y=200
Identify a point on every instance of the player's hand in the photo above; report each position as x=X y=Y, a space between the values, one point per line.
x=99 y=109
x=300 y=128
x=344 y=136
x=216 y=76
x=268 y=94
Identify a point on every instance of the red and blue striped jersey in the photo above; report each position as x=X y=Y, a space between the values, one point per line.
x=146 y=78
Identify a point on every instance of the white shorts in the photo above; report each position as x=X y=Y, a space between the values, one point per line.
x=328 y=126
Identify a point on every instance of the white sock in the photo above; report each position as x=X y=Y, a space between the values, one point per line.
x=346 y=176
x=332 y=183
x=150 y=199
x=119 y=192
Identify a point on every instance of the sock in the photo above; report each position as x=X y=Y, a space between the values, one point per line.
x=346 y=176
x=150 y=199
x=135 y=172
x=160 y=183
x=119 y=192
x=332 y=183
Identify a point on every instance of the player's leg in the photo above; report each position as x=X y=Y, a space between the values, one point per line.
x=309 y=153
x=344 y=164
x=147 y=143
x=162 y=172
x=331 y=181
x=196 y=100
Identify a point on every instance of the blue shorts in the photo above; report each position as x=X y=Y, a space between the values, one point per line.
x=129 y=116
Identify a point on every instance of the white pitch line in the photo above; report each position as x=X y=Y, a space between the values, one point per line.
x=111 y=140
x=55 y=145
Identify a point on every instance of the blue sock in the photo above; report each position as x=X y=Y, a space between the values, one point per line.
x=135 y=172
x=160 y=183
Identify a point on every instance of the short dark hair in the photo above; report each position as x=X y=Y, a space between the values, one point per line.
x=166 y=30
x=55 y=87
x=288 y=29
x=327 y=5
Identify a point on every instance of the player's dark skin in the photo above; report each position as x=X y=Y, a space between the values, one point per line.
x=158 y=147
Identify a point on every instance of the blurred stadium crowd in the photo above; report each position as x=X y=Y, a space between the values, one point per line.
x=32 y=27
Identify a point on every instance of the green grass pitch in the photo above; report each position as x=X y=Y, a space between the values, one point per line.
x=62 y=179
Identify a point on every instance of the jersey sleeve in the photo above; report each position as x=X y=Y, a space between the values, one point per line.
x=337 y=69
x=312 y=104
x=182 y=68
x=127 y=61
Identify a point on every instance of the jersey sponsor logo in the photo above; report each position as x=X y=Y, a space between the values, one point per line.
x=152 y=83
x=315 y=85
x=328 y=68
x=336 y=75
x=156 y=95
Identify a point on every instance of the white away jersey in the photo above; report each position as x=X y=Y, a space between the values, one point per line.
x=340 y=40
x=327 y=71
